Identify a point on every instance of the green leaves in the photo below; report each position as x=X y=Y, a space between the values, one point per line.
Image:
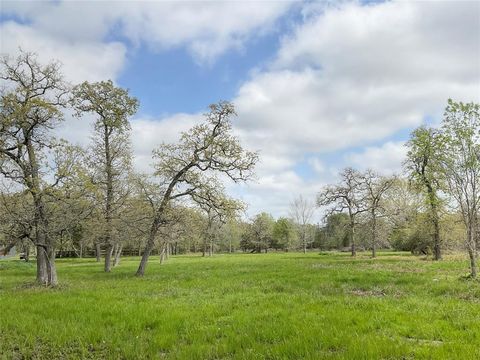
x=111 y=104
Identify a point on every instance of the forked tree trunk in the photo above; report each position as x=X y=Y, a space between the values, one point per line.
x=46 y=270
x=118 y=254
x=42 y=276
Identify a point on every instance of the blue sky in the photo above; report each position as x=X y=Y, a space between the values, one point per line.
x=317 y=85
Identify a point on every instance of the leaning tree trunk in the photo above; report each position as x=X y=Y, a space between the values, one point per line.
x=148 y=248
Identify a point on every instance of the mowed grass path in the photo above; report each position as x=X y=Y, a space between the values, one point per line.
x=264 y=306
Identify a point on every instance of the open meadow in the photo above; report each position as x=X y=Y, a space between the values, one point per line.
x=244 y=306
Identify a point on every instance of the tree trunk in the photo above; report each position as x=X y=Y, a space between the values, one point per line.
x=204 y=250
x=473 y=264
x=472 y=251
x=27 y=252
x=98 y=251
x=162 y=255
x=352 y=238
x=42 y=276
x=148 y=248
x=118 y=254
x=436 y=239
x=374 y=234
x=108 y=258
x=109 y=199
x=304 y=238
x=432 y=198
x=51 y=268
x=48 y=272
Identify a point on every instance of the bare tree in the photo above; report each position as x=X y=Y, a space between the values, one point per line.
x=189 y=168
x=349 y=196
x=31 y=105
x=111 y=153
x=376 y=187
x=301 y=211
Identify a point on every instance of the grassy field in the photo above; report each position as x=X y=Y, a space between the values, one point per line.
x=273 y=306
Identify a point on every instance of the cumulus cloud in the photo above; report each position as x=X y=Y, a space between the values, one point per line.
x=206 y=29
x=352 y=74
x=81 y=60
x=360 y=73
x=347 y=75
x=149 y=133
x=386 y=159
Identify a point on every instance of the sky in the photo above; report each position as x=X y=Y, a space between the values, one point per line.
x=318 y=86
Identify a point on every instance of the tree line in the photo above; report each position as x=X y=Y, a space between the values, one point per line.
x=433 y=206
x=53 y=190
x=60 y=199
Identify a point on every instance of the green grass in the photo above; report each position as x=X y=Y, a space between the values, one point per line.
x=273 y=306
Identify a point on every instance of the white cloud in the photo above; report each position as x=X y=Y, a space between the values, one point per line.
x=206 y=29
x=317 y=165
x=348 y=75
x=148 y=134
x=386 y=159
x=354 y=74
x=81 y=60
